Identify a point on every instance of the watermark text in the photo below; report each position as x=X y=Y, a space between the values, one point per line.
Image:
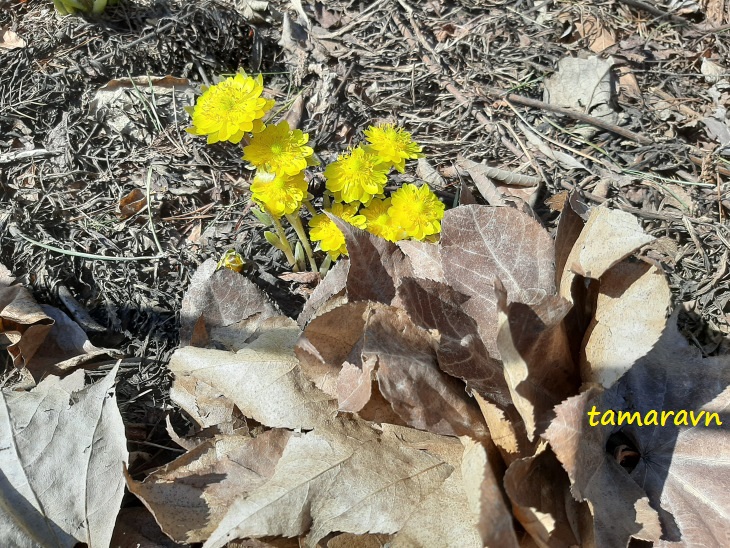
x=652 y=418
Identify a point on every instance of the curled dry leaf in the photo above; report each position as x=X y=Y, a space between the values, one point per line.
x=370 y=344
x=535 y=349
x=62 y=463
x=132 y=203
x=328 y=294
x=459 y=349
x=673 y=460
x=65 y=347
x=40 y=338
x=263 y=379
x=23 y=324
x=376 y=265
x=539 y=490
x=480 y=245
x=608 y=237
x=629 y=318
x=222 y=306
x=190 y=495
x=345 y=476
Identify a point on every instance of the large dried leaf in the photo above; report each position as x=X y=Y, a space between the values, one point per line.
x=62 y=463
x=364 y=344
x=584 y=85
x=65 y=347
x=460 y=350
x=222 y=306
x=190 y=496
x=673 y=460
x=630 y=316
x=537 y=360
x=467 y=509
x=263 y=379
x=608 y=237
x=345 y=476
x=480 y=245
x=540 y=492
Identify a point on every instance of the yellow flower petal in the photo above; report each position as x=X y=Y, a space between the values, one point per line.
x=228 y=110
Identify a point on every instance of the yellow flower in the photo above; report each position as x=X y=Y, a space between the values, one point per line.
x=232 y=260
x=280 y=194
x=356 y=175
x=417 y=210
x=229 y=109
x=325 y=231
x=392 y=145
x=279 y=149
x=380 y=223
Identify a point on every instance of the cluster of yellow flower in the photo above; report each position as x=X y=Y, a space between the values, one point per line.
x=355 y=182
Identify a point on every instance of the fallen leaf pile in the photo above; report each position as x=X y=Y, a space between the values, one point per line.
x=428 y=395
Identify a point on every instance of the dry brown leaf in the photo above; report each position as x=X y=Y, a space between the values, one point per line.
x=186 y=498
x=10 y=40
x=65 y=347
x=23 y=324
x=498 y=191
x=502 y=430
x=459 y=350
x=63 y=454
x=630 y=316
x=628 y=83
x=536 y=354
x=674 y=461
x=263 y=379
x=424 y=258
x=222 y=306
x=481 y=244
x=41 y=338
x=374 y=343
x=598 y=35
x=466 y=197
x=540 y=492
x=132 y=203
x=467 y=509
x=328 y=294
x=345 y=476
x=570 y=227
x=483 y=489
x=376 y=265
x=207 y=406
x=608 y=237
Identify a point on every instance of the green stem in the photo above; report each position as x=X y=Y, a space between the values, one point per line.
x=284 y=242
x=296 y=222
x=310 y=207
